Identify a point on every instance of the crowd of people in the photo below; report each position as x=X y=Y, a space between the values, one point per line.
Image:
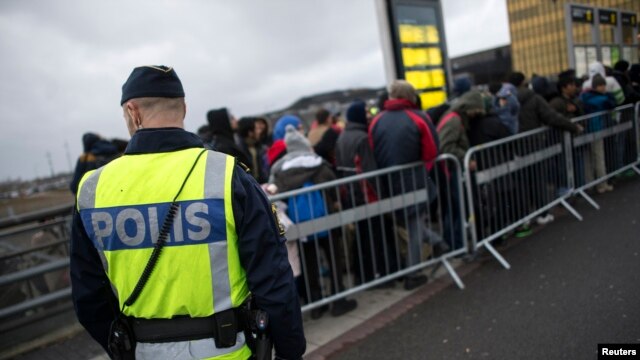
x=395 y=131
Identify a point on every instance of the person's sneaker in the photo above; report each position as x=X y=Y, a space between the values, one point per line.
x=562 y=191
x=523 y=231
x=608 y=187
x=413 y=281
x=501 y=241
x=343 y=306
x=602 y=188
x=543 y=220
x=319 y=311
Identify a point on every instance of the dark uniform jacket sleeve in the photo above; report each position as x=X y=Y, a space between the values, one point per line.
x=93 y=300
x=264 y=257
x=551 y=117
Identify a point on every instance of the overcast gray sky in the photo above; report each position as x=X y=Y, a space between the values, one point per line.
x=64 y=62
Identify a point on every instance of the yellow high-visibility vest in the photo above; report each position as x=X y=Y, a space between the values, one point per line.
x=123 y=205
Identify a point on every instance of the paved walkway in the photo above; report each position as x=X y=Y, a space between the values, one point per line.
x=571 y=286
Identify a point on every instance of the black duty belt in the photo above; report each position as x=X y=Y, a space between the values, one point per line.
x=182 y=328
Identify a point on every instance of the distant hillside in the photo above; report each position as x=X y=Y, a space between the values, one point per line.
x=334 y=101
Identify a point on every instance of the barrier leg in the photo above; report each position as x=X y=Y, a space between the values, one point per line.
x=635 y=168
x=571 y=209
x=497 y=255
x=453 y=274
x=589 y=199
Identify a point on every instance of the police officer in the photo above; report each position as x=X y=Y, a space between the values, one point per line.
x=170 y=241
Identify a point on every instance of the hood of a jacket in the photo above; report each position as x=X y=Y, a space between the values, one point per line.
x=524 y=95
x=540 y=85
x=354 y=126
x=296 y=168
x=596 y=68
x=88 y=140
x=220 y=123
x=398 y=104
x=104 y=147
x=471 y=100
x=508 y=88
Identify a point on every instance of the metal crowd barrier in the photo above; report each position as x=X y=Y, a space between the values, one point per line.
x=608 y=147
x=34 y=261
x=378 y=227
x=516 y=179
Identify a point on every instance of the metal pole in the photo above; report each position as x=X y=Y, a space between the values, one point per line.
x=569 y=33
x=66 y=148
x=50 y=164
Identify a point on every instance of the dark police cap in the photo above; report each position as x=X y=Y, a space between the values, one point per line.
x=152 y=81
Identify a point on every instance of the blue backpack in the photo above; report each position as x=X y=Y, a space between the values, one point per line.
x=308 y=206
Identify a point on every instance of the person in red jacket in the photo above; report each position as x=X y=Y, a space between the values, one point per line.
x=402 y=134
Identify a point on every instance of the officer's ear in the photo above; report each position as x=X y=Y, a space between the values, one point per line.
x=132 y=117
x=134 y=114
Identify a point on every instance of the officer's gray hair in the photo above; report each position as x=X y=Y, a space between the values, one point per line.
x=161 y=104
x=402 y=89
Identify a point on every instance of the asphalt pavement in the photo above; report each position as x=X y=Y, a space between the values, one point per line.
x=572 y=285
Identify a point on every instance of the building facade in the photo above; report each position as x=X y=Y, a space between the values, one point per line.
x=548 y=36
x=483 y=67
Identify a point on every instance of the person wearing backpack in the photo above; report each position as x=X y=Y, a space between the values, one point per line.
x=301 y=168
x=453 y=131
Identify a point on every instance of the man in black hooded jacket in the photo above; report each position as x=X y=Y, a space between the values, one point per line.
x=222 y=135
x=97 y=152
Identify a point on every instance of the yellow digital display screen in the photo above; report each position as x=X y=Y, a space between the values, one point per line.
x=432 y=98
x=424 y=79
x=421 y=57
x=412 y=34
x=420 y=52
x=432 y=34
x=435 y=56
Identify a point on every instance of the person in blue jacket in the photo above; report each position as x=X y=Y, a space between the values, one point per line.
x=597 y=99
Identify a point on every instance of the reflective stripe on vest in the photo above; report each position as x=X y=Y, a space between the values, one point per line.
x=123 y=206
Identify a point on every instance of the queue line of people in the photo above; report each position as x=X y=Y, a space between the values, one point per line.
x=289 y=160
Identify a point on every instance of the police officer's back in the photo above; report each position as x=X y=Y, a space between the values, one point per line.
x=170 y=241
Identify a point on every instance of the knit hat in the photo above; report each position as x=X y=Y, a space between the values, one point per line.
x=540 y=85
x=621 y=65
x=295 y=141
x=357 y=113
x=281 y=125
x=152 y=81
x=461 y=86
x=516 y=78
